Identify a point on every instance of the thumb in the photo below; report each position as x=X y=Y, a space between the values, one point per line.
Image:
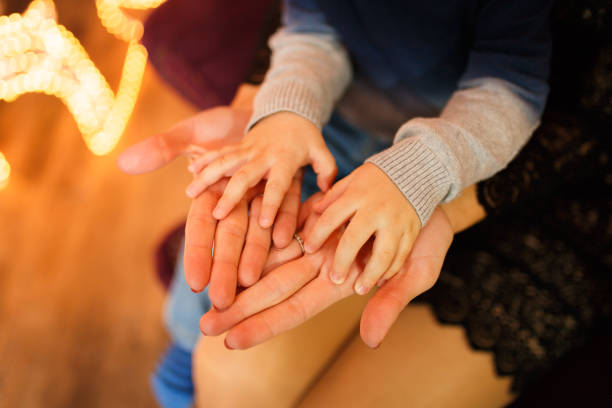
x=155 y=151
x=324 y=165
x=419 y=274
x=209 y=129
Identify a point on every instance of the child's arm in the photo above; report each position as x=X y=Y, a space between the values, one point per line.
x=310 y=70
x=484 y=124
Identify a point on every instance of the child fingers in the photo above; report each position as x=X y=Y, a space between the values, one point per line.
x=336 y=215
x=277 y=186
x=215 y=171
x=238 y=185
x=356 y=234
x=287 y=217
x=208 y=157
x=332 y=195
x=229 y=240
x=403 y=250
x=255 y=250
x=324 y=165
x=307 y=208
x=385 y=247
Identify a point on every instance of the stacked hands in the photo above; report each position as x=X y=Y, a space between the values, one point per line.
x=358 y=233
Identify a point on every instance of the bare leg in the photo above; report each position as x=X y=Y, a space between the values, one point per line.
x=420 y=364
x=277 y=372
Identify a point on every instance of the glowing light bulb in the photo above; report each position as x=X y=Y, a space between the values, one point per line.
x=39 y=55
x=5 y=171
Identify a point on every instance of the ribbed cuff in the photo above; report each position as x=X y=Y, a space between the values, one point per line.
x=418 y=174
x=290 y=96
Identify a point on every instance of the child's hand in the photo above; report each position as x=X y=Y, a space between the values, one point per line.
x=378 y=210
x=275 y=149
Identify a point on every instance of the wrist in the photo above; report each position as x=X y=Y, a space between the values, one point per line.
x=465 y=210
x=284 y=119
x=417 y=173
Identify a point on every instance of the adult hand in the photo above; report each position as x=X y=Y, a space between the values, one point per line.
x=298 y=290
x=209 y=129
x=212 y=129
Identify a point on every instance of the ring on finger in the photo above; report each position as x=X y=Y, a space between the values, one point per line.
x=300 y=242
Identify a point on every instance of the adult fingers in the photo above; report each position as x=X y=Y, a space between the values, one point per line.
x=229 y=240
x=256 y=248
x=239 y=184
x=383 y=252
x=199 y=235
x=310 y=300
x=210 y=129
x=286 y=220
x=279 y=256
x=354 y=237
x=419 y=273
x=272 y=289
x=154 y=152
x=324 y=165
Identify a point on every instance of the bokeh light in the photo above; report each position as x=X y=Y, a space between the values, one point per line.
x=39 y=55
x=5 y=171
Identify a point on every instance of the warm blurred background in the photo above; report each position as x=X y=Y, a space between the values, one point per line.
x=79 y=301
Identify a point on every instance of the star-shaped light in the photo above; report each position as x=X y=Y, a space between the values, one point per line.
x=39 y=55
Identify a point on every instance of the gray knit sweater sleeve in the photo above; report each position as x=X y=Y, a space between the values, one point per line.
x=481 y=129
x=307 y=76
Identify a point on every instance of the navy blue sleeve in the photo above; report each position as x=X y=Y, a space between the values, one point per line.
x=304 y=16
x=512 y=42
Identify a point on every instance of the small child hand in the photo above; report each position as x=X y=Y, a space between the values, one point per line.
x=376 y=208
x=275 y=149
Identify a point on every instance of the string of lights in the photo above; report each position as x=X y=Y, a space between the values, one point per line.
x=39 y=55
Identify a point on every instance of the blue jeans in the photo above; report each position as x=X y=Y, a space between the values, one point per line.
x=350 y=147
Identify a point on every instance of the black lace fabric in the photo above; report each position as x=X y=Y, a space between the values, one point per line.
x=533 y=281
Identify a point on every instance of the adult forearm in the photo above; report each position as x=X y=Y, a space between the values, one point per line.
x=465 y=210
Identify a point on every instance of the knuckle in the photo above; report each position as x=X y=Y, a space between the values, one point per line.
x=351 y=239
x=232 y=229
x=225 y=262
x=240 y=177
x=259 y=245
x=297 y=309
x=385 y=254
x=274 y=287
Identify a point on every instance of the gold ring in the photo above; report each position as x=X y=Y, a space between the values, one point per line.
x=300 y=242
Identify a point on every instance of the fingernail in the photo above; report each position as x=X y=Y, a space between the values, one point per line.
x=203 y=331
x=194 y=290
x=360 y=289
x=218 y=212
x=190 y=191
x=191 y=168
x=227 y=346
x=381 y=282
x=337 y=279
x=265 y=221
x=376 y=346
